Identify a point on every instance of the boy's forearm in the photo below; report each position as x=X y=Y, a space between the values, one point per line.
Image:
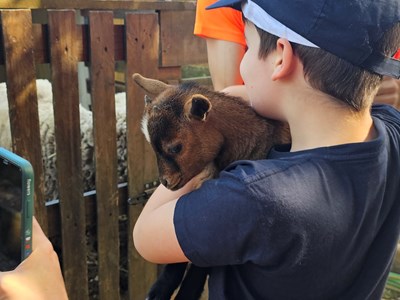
x=163 y=195
x=155 y=227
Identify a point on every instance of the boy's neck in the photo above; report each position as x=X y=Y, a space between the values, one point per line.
x=316 y=121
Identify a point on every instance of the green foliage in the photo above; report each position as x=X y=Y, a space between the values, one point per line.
x=392 y=288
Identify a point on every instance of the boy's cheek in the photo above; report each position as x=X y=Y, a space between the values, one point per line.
x=241 y=67
x=244 y=66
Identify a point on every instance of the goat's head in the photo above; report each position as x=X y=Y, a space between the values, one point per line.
x=176 y=122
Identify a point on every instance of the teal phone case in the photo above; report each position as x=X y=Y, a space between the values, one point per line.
x=27 y=198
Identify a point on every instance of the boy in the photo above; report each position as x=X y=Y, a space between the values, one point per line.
x=223 y=30
x=320 y=218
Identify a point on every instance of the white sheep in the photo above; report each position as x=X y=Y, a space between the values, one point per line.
x=48 y=143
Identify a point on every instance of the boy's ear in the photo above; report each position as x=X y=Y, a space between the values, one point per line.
x=284 y=61
x=197 y=107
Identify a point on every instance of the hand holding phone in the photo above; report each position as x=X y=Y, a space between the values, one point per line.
x=16 y=207
x=37 y=277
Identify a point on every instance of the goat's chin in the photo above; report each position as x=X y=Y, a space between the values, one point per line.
x=180 y=183
x=175 y=188
x=208 y=172
x=176 y=183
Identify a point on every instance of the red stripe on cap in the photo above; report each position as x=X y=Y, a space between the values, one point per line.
x=397 y=55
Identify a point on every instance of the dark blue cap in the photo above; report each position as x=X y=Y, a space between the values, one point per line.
x=349 y=29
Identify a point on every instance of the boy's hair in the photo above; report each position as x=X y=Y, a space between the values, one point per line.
x=334 y=76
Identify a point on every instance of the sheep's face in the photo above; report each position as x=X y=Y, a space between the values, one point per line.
x=177 y=125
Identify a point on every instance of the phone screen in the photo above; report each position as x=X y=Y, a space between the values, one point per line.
x=11 y=196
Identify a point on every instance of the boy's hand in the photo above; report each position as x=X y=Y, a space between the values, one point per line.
x=389 y=92
x=37 y=277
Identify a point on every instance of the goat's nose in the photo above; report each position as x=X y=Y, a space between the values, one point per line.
x=164 y=181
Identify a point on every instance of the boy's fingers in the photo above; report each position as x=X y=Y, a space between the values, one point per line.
x=388 y=86
x=384 y=99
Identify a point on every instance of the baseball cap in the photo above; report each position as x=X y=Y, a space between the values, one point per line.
x=349 y=29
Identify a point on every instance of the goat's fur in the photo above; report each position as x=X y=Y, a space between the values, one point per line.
x=198 y=132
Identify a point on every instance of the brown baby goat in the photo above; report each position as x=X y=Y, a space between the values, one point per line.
x=194 y=130
x=198 y=132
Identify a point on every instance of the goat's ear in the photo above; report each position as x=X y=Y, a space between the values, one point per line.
x=147 y=100
x=197 y=107
x=152 y=87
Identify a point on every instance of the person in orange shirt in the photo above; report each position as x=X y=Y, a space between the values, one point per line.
x=223 y=30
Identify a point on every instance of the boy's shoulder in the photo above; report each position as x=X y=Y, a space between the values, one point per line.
x=281 y=164
x=389 y=117
x=386 y=113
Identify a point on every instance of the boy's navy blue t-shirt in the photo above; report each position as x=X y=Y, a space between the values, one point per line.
x=316 y=224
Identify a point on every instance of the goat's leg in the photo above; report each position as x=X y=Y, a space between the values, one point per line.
x=167 y=282
x=193 y=283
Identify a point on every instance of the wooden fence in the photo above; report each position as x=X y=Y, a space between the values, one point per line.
x=155 y=40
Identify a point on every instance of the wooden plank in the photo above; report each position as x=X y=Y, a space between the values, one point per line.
x=53 y=210
x=22 y=99
x=41 y=48
x=83 y=45
x=105 y=137
x=142 y=35
x=178 y=44
x=62 y=30
x=100 y=4
x=40 y=40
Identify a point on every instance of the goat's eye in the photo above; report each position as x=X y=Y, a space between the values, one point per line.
x=175 y=149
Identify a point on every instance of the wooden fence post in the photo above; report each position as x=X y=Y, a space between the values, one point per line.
x=142 y=36
x=22 y=99
x=64 y=62
x=102 y=64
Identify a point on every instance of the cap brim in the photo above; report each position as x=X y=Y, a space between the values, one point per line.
x=236 y=4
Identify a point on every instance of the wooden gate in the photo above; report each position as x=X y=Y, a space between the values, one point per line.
x=150 y=42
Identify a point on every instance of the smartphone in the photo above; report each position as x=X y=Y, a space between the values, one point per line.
x=16 y=209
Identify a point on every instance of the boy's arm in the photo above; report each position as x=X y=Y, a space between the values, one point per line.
x=154 y=232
